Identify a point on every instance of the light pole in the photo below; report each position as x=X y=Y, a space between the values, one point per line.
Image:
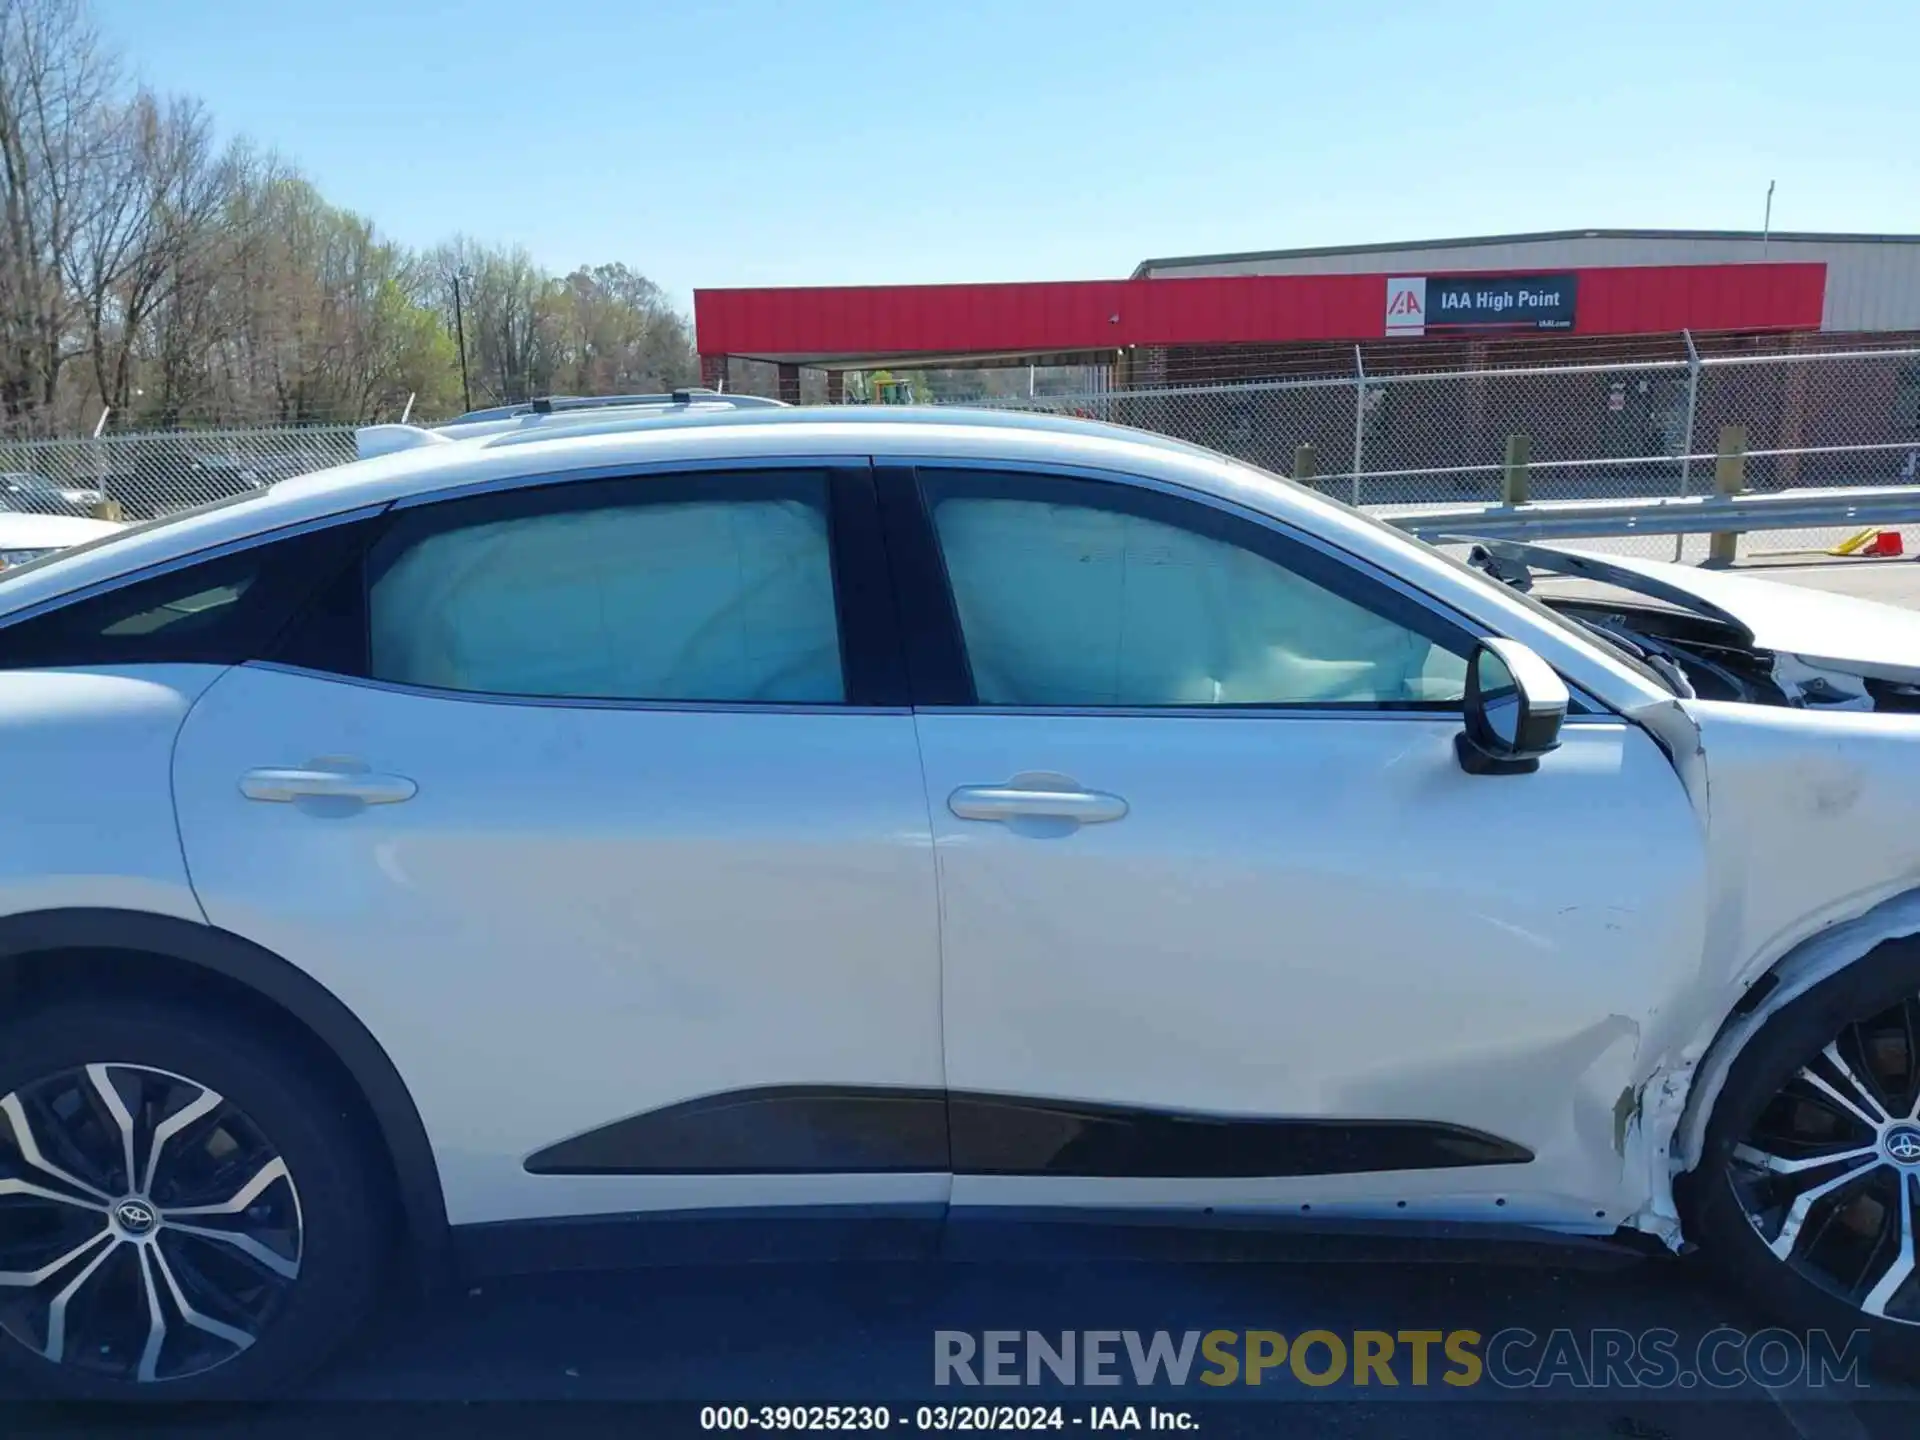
x=462 y=276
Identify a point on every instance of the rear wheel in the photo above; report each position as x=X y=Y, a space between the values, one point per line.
x=184 y=1211
x=1808 y=1195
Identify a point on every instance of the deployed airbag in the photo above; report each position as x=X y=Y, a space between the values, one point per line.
x=1071 y=605
x=716 y=601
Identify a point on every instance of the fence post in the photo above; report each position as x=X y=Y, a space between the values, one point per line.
x=1729 y=478
x=1513 y=473
x=1686 y=444
x=107 y=507
x=1306 y=466
x=1359 y=419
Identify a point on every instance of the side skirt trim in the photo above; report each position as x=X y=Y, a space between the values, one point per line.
x=880 y=1234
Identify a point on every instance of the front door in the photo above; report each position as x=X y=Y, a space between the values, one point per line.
x=1224 y=921
x=587 y=799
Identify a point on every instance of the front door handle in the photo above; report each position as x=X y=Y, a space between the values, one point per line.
x=316 y=784
x=1015 y=801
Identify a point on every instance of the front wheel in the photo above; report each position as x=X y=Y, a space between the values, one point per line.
x=1807 y=1197
x=184 y=1212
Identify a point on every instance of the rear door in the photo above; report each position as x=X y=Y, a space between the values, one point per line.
x=599 y=803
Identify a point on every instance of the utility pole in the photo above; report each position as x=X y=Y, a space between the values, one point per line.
x=1766 y=223
x=462 y=277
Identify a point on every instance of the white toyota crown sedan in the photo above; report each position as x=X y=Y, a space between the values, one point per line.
x=586 y=833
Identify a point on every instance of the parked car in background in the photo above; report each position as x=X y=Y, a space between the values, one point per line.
x=28 y=537
x=156 y=479
x=22 y=490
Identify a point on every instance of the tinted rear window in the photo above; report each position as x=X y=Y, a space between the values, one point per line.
x=223 y=610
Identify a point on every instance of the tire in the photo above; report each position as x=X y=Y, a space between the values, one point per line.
x=273 y=1139
x=1849 y=1262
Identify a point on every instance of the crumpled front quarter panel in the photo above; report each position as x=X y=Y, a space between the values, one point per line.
x=1814 y=817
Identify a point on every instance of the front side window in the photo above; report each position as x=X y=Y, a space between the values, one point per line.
x=641 y=591
x=1087 y=594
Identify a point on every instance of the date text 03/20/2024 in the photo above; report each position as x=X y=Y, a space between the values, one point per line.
x=941 y=1418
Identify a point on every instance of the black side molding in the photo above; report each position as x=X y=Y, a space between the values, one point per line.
x=878 y=1129
x=1010 y=1135
x=778 y=1130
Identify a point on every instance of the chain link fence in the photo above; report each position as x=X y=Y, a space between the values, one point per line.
x=136 y=477
x=1589 y=432
x=1618 y=429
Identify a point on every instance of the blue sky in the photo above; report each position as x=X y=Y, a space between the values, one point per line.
x=868 y=141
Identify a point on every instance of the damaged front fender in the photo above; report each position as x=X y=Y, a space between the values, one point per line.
x=1666 y=1130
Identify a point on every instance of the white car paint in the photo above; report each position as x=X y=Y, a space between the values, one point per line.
x=1825 y=630
x=1814 y=860
x=1324 y=917
x=85 y=763
x=1298 y=916
x=23 y=533
x=623 y=907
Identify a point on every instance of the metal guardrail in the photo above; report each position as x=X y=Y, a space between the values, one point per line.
x=1811 y=509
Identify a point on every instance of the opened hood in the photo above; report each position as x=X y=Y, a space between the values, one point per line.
x=1828 y=631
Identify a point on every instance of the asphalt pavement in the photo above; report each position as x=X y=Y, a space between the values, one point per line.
x=649 y=1351
x=1892 y=582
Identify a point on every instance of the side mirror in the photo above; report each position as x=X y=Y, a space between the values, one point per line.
x=1515 y=703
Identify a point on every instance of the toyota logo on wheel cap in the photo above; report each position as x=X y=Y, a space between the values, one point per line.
x=136 y=1217
x=1902 y=1144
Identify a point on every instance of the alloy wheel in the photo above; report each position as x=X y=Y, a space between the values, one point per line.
x=1829 y=1174
x=148 y=1229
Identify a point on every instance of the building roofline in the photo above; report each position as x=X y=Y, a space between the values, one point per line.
x=1140 y=271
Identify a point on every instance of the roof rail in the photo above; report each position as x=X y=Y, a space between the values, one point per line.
x=554 y=404
x=875 y=415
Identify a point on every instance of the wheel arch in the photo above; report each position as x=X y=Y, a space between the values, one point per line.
x=33 y=943
x=1677 y=1103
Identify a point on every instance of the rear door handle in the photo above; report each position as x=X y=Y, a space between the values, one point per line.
x=1017 y=802
x=289 y=785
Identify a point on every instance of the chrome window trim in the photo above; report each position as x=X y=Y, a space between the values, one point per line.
x=182 y=562
x=579 y=702
x=1450 y=718
x=762 y=707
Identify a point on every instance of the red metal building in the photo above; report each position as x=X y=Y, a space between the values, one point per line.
x=1613 y=294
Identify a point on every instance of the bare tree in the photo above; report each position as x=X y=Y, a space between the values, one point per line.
x=56 y=89
x=148 y=268
x=159 y=199
x=509 y=335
